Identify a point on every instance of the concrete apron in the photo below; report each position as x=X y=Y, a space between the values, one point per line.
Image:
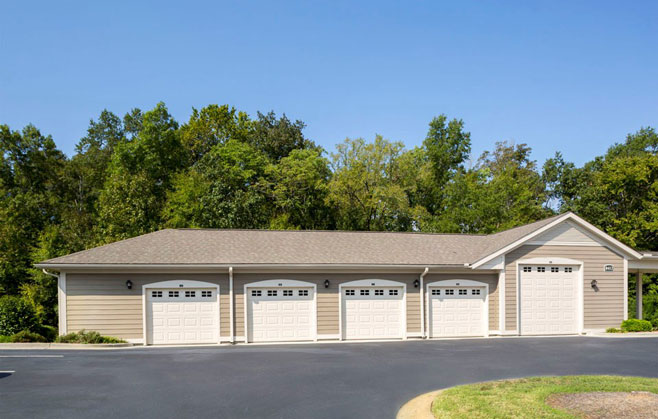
x=419 y=407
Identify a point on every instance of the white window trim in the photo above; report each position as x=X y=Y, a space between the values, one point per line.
x=459 y=283
x=179 y=284
x=282 y=283
x=580 y=289
x=372 y=283
x=62 y=303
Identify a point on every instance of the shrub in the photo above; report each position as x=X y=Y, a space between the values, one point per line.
x=636 y=325
x=16 y=315
x=87 y=337
x=654 y=322
x=612 y=330
x=5 y=339
x=48 y=332
x=27 y=336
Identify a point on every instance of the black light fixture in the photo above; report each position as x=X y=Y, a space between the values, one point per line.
x=129 y=284
x=326 y=283
x=416 y=283
x=595 y=284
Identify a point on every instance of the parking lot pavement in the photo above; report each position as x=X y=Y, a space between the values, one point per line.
x=344 y=380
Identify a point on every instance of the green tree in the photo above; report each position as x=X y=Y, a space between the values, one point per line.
x=228 y=184
x=502 y=191
x=278 y=137
x=214 y=125
x=140 y=176
x=371 y=185
x=446 y=148
x=300 y=184
x=29 y=200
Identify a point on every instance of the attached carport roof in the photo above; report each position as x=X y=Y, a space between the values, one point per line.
x=268 y=247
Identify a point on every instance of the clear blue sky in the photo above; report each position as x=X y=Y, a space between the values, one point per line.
x=573 y=76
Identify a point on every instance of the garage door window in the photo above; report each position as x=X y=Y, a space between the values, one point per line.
x=365 y=292
x=541 y=269
x=450 y=292
x=256 y=293
x=156 y=294
x=287 y=293
x=392 y=292
x=206 y=294
x=272 y=293
x=475 y=292
x=302 y=293
x=527 y=269
x=190 y=294
x=173 y=293
x=463 y=292
x=568 y=270
x=349 y=292
x=379 y=292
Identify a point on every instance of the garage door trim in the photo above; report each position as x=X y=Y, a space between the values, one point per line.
x=580 y=287
x=372 y=283
x=458 y=283
x=282 y=283
x=177 y=284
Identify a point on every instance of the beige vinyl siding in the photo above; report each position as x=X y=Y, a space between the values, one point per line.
x=488 y=278
x=328 y=299
x=566 y=232
x=101 y=302
x=602 y=309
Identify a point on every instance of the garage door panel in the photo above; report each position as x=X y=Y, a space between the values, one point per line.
x=177 y=316
x=547 y=297
x=282 y=314
x=457 y=311
x=373 y=312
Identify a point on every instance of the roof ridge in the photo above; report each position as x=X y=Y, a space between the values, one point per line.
x=332 y=231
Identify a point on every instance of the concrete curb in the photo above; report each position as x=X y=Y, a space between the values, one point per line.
x=35 y=345
x=419 y=407
x=625 y=335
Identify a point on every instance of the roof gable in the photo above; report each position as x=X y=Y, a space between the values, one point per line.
x=558 y=228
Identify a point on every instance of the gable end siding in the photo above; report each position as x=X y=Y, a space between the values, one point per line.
x=567 y=232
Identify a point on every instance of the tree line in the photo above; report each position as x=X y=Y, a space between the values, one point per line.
x=222 y=168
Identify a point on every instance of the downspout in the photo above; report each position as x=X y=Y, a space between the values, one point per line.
x=422 y=304
x=230 y=293
x=50 y=274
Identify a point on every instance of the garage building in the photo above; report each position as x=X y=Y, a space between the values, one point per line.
x=558 y=276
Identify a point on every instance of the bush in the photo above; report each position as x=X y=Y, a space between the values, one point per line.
x=5 y=339
x=612 y=330
x=27 y=336
x=48 y=332
x=87 y=337
x=654 y=322
x=16 y=315
x=636 y=325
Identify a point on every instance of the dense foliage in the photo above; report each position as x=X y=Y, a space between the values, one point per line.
x=16 y=315
x=224 y=169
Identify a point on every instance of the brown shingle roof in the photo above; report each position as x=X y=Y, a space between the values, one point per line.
x=268 y=247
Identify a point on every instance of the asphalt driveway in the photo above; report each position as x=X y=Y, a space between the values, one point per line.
x=347 y=380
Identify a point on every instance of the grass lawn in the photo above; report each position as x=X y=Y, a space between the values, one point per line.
x=525 y=397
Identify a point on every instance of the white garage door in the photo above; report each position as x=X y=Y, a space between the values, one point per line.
x=280 y=314
x=176 y=316
x=547 y=297
x=373 y=313
x=457 y=311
